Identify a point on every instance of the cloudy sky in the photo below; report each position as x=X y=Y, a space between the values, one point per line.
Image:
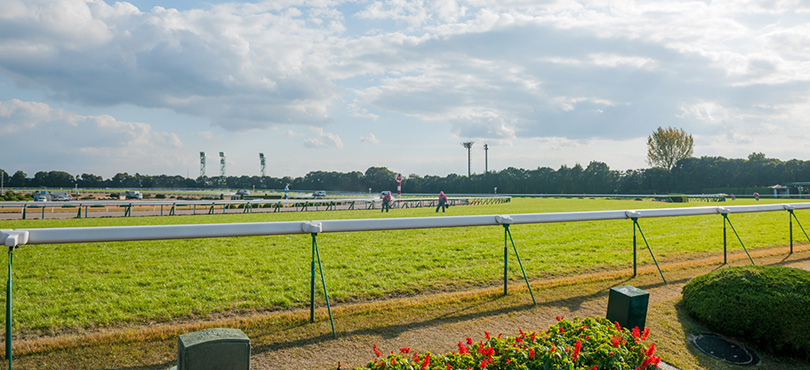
x=92 y=86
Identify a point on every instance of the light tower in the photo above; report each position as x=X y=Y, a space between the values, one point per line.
x=202 y=164
x=222 y=164
x=262 y=161
x=486 y=158
x=468 y=145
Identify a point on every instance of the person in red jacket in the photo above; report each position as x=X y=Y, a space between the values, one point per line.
x=442 y=202
x=386 y=202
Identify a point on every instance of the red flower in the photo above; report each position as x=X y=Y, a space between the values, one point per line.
x=559 y=317
x=615 y=341
x=595 y=367
x=448 y=367
x=577 y=347
x=483 y=364
x=533 y=337
x=531 y=352
x=651 y=350
x=646 y=333
x=486 y=335
x=562 y=330
x=499 y=335
x=618 y=327
x=462 y=349
x=427 y=361
x=636 y=332
x=469 y=341
x=376 y=351
x=405 y=350
x=553 y=347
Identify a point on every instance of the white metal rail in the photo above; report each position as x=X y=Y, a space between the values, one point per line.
x=17 y=237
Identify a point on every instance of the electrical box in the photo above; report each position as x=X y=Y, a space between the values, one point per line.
x=213 y=349
x=627 y=305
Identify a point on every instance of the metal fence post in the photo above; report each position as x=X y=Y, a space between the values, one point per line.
x=8 y=308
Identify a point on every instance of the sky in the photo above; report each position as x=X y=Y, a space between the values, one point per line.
x=102 y=87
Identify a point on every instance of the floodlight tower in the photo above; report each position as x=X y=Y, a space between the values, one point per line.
x=262 y=161
x=486 y=158
x=222 y=164
x=202 y=164
x=468 y=145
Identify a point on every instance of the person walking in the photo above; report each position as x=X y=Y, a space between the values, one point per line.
x=442 y=202
x=386 y=202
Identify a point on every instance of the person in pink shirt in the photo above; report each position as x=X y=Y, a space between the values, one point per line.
x=442 y=202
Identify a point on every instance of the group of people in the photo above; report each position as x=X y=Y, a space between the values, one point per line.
x=386 y=202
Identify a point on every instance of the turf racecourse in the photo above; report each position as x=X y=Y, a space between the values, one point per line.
x=65 y=291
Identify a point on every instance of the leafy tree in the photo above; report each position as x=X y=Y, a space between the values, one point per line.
x=666 y=146
x=18 y=179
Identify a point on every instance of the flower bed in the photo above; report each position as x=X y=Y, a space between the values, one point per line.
x=592 y=343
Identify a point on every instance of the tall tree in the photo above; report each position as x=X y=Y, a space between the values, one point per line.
x=666 y=146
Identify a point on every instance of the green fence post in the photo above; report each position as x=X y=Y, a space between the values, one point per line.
x=725 y=241
x=24 y=208
x=505 y=259
x=316 y=254
x=312 y=283
x=525 y=278
x=635 y=221
x=635 y=269
x=79 y=215
x=790 y=220
x=8 y=308
x=800 y=227
x=725 y=216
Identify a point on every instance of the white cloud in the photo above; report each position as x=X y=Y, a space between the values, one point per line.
x=56 y=138
x=323 y=139
x=369 y=139
x=497 y=71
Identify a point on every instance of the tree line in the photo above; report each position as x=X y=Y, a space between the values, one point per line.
x=688 y=175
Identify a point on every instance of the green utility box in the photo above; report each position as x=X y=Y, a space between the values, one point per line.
x=627 y=305
x=213 y=349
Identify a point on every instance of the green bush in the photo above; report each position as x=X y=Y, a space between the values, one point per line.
x=593 y=343
x=767 y=306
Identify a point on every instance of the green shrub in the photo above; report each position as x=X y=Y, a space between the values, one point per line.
x=160 y=196
x=768 y=306
x=593 y=343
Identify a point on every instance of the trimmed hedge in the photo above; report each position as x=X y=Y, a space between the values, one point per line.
x=767 y=306
x=592 y=344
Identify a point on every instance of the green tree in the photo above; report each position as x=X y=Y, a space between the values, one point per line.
x=666 y=146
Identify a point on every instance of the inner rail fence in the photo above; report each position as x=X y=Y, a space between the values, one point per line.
x=15 y=238
x=127 y=208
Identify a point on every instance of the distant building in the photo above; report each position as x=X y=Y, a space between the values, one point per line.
x=791 y=190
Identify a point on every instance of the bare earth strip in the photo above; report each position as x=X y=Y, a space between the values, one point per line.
x=435 y=323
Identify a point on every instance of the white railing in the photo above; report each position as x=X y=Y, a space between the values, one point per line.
x=16 y=237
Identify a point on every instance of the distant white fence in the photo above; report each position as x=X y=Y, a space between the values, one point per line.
x=89 y=208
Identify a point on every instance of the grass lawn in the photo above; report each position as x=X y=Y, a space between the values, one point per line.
x=64 y=288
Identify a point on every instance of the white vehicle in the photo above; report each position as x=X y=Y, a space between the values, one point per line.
x=133 y=195
x=60 y=196
x=319 y=194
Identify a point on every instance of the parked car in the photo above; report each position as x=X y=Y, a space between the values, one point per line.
x=60 y=196
x=133 y=195
x=319 y=194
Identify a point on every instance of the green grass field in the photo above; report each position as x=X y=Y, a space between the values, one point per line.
x=59 y=287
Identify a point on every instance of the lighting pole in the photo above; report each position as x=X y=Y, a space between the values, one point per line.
x=468 y=145
x=486 y=158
